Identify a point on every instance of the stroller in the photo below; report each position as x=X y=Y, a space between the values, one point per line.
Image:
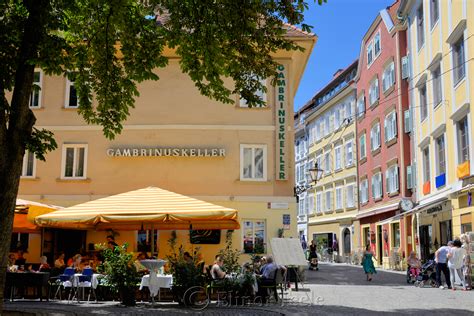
x=313 y=261
x=427 y=275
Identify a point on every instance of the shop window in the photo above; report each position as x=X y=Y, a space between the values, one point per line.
x=254 y=236
x=74 y=163
x=29 y=165
x=396 y=235
x=253 y=162
x=19 y=241
x=466 y=223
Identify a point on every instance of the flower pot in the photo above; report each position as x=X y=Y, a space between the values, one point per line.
x=127 y=296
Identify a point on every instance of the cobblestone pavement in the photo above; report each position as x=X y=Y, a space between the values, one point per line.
x=336 y=289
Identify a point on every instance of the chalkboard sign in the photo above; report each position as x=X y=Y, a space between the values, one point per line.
x=288 y=252
x=211 y=236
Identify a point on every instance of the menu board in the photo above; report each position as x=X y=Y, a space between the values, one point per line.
x=288 y=252
x=211 y=236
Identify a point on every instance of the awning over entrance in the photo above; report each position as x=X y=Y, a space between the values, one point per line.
x=143 y=208
x=25 y=213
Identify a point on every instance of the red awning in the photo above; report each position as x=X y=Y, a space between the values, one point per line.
x=21 y=224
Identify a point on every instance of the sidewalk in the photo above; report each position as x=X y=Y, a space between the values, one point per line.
x=360 y=266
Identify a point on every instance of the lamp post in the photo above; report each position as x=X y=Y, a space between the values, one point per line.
x=314 y=175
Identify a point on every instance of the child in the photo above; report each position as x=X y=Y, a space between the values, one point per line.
x=414 y=264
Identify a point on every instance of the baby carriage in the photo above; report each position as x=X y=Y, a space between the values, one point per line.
x=313 y=261
x=427 y=275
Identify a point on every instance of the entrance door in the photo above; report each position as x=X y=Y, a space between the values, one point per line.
x=445 y=232
x=425 y=241
x=379 y=244
x=70 y=242
x=347 y=241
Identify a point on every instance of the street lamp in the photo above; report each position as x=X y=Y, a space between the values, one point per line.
x=314 y=175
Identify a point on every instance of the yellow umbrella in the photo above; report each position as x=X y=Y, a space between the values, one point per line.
x=25 y=213
x=132 y=210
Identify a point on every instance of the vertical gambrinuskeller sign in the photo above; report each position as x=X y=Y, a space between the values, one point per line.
x=281 y=119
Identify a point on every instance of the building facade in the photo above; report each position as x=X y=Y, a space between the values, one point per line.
x=178 y=140
x=332 y=150
x=383 y=144
x=441 y=52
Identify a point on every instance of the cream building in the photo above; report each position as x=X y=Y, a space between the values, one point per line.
x=178 y=140
x=332 y=148
x=441 y=50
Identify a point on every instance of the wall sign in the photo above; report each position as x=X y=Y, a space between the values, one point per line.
x=212 y=236
x=166 y=152
x=281 y=117
x=286 y=221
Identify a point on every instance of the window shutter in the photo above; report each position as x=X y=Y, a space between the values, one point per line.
x=373 y=187
x=386 y=127
x=407 y=121
x=387 y=180
x=405 y=67
x=396 y=179
x=394 y=124
x=409 y=177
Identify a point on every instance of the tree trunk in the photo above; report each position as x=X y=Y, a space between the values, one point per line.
x=16 y=128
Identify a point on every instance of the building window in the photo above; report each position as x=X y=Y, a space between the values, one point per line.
x=254 y=236
x=396 y=235
x=360 y=106
x=253 y=162
x=437 y=92
x=259 y=93
x=391 y=175
x=390 y=126
x=440 y=156
x=327 y=163
x=463 y=140
x=434 y=12
x=328 y=201
x=423 y=104
x=301 y=205
x=338 y=155
x=375 y=137
x=364 y=191
x=388 y=78
x=362 y=147
x=458 y=60
x=72 y=100
x=29 y=165
x=319 y=202
x=338 y=117
x=348 y=112
x=35 y=98
x=339 y=198
x=370 y=54
x=420 y=26
x=426 y=164
x=327 y=122
x=374 y=91
x=377 y=185
x=349 y=153
x=377 y=45
x=316 y=128
x=310 y=204
x=318 y=162
x=350 y=198
x=74 y=161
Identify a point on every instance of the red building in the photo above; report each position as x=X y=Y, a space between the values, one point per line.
x=383 y=141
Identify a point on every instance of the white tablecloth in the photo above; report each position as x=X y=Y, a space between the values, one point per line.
x=161 y=281
x=93 y=283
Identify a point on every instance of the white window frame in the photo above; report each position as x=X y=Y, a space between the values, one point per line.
x=440 y=157
x=349 y=150
x=377 y=40
x=377 y=190
x=350 y=202
x=327 y=162
x=38 y=93
x=391 y=126
x=259 y=93
x=434 y=8
x=463 y=157
x=375 y=142
x=420 y=26
x=437 y=85
x=423 y=102
x=374 y=91
x=426 y=164
x=339 y=198
x=360 y=106
x=459 y=60
x=391 y=176
x=338 y=157
x=328 y=201
x=319 y=202
x=70 y=84
x=63 y=162
x=265 y=157
x=24 y=168
x=253 y=220
x=388 y=77
x=364 y=191
x=370 y=53
x=311 y=204
x=363 y=146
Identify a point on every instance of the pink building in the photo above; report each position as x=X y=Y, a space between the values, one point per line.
x=383 y=139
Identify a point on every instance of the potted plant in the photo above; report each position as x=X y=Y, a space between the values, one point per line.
x=122 y=276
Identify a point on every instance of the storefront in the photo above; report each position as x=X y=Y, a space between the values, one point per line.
x=463 y=208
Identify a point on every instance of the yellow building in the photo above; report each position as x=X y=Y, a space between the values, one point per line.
x=441 y=51
x=178 y=140
x=332 y=148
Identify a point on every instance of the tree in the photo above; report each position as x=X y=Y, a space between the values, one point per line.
x=108 y=47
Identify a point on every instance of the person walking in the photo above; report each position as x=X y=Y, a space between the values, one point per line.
x=368 y=263
x=441 y=258
x=455 y=263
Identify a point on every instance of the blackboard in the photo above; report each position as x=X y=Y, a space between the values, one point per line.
x=210 y=236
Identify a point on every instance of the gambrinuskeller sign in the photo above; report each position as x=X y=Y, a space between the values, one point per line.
x=281 y=119
x=166 y=152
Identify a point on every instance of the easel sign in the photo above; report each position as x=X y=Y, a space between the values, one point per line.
x=288 y=252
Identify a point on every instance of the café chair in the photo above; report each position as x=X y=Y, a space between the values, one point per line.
x=65 y=281
x=85 y=281
x=274 y=284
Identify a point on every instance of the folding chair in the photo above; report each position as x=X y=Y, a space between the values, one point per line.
x=65 y=281
x=85 y=281
x=274 y=284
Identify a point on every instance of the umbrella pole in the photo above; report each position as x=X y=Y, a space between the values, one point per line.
x=152 y=240
x=42 y=240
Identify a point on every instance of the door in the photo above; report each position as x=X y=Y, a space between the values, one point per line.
x=379 y=245
x=347 y=241
x=70 y=242
x=425 y=241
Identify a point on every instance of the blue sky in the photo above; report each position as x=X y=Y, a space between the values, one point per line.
x=340 y=26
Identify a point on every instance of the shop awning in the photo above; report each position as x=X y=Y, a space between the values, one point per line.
x=25 y=213
x=144 y=208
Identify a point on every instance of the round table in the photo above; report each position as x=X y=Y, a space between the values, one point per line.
x=153 y=265
x=161 y=281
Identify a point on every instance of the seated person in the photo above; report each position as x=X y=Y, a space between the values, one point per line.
x=216 y=270
x=414 y=263
x=43 y=267
x=59 y=262
x=268 y=273
x=138 y=265
x=20 y=260
x=76 y=263
x=11 y=260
